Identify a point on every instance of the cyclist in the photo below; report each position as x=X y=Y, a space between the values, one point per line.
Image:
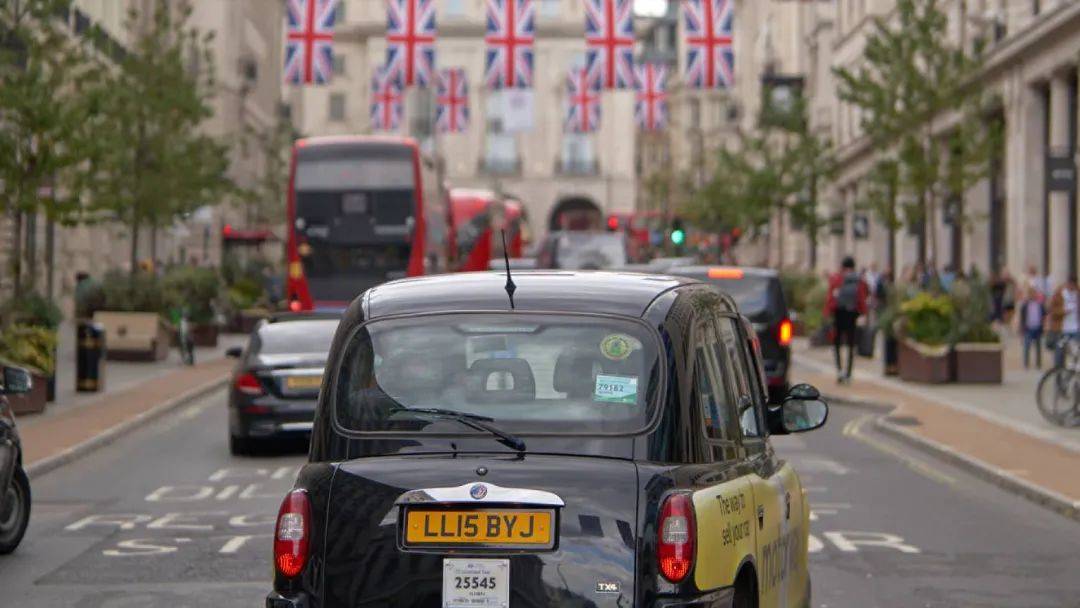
x=1064 y=317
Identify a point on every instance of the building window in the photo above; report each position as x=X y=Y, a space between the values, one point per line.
x=578 y=157
x=550 y=8
x=500 y=148
x=337 y=106
x=339 y=64
x=454 y=8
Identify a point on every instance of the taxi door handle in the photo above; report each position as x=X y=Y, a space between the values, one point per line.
x=787 y=505
x=760 y=517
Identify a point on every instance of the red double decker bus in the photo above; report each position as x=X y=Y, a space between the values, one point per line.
x=361 y=210
x=476 y=219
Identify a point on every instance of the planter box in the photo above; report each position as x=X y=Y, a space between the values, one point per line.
x=32 y=402
x=977 y=363
x=204 y=334
x=921 y=363
x=134 y=336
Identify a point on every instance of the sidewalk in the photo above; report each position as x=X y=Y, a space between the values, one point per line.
x=135 y=392
x=994 y=431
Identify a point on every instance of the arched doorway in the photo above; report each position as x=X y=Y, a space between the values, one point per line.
x=576 y=213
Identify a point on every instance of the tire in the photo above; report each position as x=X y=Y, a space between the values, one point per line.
x=1056 y=395
x=745 y=590
x=240 y=446
x=16 y=517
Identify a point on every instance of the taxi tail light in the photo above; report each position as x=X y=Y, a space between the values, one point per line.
x=676 y=533
x=292 y=534
x=785 y=332
x=248 y=384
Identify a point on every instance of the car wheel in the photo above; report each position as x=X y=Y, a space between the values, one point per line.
x=239 y=446
x=14 y=512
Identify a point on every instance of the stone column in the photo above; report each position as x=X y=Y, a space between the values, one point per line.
x=1059 y=201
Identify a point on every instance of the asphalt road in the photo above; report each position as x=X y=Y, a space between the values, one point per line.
x=166 y=517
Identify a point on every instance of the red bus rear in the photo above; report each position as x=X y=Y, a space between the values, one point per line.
x=476 y=217
x=361 y=210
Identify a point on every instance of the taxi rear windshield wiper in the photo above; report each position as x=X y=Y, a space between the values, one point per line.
x=476 y=421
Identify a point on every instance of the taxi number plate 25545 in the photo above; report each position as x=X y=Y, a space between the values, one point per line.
x=476 y=583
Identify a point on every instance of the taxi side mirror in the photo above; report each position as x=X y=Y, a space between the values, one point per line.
x=803 y=410
x=16 y=381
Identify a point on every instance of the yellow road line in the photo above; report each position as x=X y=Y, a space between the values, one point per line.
x=854 y=429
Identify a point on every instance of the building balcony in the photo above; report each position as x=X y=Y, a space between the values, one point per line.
x=577 y=167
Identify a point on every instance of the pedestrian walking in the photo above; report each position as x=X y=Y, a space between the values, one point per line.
x=1064 y=317
x=1031 y=319
x=846 y=301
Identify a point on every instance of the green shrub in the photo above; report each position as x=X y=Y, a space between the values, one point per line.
x=32 y=309
x=798 y=287
x=813 y=314
x=971 y=305
x=928 y=319
x=125 y=292
x=29 y=346
x=245 y=293
x=198 y=290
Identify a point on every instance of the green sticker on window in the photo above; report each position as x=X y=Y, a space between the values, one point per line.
x=615 y=389
x=616 y=347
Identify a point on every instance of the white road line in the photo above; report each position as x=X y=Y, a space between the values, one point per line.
x=854 y=429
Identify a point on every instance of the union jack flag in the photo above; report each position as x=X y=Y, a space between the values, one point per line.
x=510 y=31
x=583 y=102
x=710 y=58
x=452 y=109
x=410 y=41
x=386 y=101
x=309 y=53
x=609 y=42
x=650 y=109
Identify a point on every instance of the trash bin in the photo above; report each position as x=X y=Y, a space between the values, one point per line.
x=90 y=357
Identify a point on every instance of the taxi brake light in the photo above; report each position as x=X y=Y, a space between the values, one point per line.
x=248 y=384
x=785 y=332
x=726 y=273
x=292 y=534
x=676 y=533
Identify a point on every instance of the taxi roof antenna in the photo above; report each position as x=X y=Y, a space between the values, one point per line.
x=510 y=287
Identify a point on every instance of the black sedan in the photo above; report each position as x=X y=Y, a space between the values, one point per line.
x=588 y=439
x=276 y=383
x=14 y=483
x=758 y=294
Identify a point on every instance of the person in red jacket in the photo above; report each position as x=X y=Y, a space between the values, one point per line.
x=846 y=301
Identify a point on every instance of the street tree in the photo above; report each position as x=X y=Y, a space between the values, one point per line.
x=915 y=89
x=159 y=165
x=47 y=128
x=265 y=202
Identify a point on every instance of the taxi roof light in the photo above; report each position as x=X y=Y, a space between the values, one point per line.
x=292 y=531
x=726 y=272
x=675 y=546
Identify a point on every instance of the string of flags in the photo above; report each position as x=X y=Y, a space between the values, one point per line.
x=509 y=60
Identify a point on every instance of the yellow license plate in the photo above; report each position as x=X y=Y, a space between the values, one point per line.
x=505 y=528
x=303 y=382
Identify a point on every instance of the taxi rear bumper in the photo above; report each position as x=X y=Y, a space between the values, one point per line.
x=721 y=598
x=276 y=600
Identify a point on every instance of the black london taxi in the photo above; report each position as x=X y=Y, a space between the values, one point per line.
x=586 y=439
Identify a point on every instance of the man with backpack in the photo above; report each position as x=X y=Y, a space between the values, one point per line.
x=846 y=301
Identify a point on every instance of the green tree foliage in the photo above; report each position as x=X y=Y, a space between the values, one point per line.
x=265 y=203
x=911 y=77
x=47 y=117
x=158 y=165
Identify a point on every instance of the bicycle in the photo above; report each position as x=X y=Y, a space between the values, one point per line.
x=184 y=340
x=1058 y=392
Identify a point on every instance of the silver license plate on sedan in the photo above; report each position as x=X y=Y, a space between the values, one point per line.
x=476 y=583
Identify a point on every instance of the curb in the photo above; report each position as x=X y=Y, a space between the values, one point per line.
x=1039 y=495
x=117 y=431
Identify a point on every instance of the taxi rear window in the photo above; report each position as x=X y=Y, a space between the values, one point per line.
x=529 y=373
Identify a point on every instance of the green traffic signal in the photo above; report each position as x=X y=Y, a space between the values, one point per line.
x=678 y=236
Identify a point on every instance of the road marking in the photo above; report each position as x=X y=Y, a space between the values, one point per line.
x=854 y=429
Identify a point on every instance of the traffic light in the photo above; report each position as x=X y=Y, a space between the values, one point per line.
x=678 y=234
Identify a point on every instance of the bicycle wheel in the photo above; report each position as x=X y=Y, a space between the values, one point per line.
x=1056 y=395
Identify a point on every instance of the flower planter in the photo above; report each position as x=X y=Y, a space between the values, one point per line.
x=34 y=401
x=204 y=334
x=134 y=336
x=977 y=363
x=249 y=319
x=922 y=363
